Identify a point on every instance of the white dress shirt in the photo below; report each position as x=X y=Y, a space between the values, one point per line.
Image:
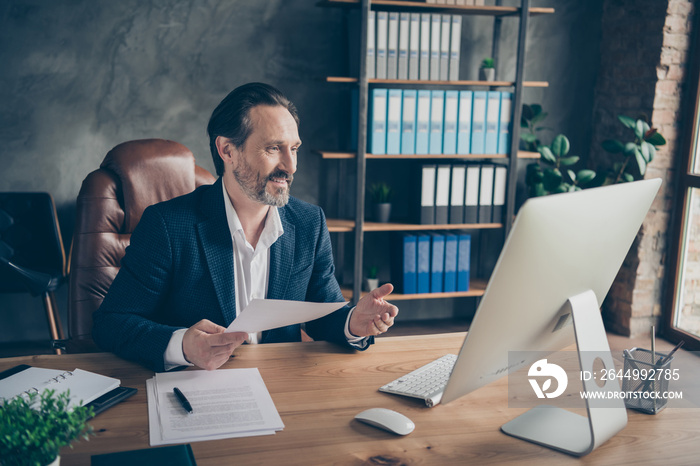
x=251 y=271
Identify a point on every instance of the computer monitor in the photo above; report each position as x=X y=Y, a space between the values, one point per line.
x=561 y=248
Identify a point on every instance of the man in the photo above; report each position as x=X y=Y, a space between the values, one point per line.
x=196 y=261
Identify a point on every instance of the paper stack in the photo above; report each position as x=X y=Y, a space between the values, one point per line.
x=226 y=403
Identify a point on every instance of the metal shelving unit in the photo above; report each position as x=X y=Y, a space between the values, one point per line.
x=358 y=225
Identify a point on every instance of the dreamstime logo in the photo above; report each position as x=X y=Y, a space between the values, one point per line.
x=542 y=368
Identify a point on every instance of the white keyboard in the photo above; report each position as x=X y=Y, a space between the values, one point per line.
x=427 y=382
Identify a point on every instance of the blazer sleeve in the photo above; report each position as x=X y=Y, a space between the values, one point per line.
x=125 y=323
x=323 y=287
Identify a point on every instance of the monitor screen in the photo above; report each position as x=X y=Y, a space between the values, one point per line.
x=560 y=246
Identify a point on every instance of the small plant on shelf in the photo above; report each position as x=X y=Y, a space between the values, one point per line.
x=34 y=428
x=371 y=280
x=380 y=195
x=487 y=70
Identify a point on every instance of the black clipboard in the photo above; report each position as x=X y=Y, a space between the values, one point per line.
x=99 y=404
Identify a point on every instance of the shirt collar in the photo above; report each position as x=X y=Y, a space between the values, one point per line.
x=273 y=224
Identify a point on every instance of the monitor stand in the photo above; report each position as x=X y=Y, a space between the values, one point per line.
x=564 y=430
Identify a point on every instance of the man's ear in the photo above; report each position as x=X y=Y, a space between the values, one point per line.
x=226 y=149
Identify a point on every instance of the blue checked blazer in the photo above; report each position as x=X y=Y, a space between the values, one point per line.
x=178 y=269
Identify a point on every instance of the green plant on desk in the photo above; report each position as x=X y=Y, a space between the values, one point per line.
x=33 y=429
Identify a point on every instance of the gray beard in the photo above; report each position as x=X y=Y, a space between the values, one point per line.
x=255 y=188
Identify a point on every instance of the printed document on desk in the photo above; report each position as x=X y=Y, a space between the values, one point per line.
x=226 y=403
x=266 y=314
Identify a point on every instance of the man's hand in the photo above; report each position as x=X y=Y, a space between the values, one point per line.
x=207 y=346
x=373 y=315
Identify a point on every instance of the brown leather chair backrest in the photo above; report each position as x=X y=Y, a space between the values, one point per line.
x=133 y=176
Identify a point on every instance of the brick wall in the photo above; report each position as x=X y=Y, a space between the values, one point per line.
x=644 y=56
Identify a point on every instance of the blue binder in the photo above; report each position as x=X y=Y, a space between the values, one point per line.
x=464 y=246
x=378 y=113
x=464 y=125
x=422 y=122
x=393 y=127
x=493 y=106
x=408 y=122
x=404 y=264
x=437 y=262
x=423 y=263
x=437 y=113
x=478 y=122
x=504 y=134
x=451 y=243
x=449 y=142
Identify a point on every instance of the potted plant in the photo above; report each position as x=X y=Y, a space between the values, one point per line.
x=530 y=125
x=380 y=194
x=371 y=281
x=552 y=174
x=34 y=428
x=641 y=150
x=487 y=71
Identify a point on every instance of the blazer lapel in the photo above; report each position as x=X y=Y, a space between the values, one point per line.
x=215 y=240
x=281 y=257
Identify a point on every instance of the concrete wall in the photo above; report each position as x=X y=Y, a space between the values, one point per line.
x=81 y=76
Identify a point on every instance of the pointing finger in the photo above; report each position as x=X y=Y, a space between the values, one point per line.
x=382 y=291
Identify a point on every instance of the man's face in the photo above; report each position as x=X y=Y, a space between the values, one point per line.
x=267 y=161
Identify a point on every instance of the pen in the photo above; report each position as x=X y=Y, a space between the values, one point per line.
x=666 y=358
x=183 y=400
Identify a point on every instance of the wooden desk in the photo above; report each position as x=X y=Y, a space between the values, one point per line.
x=318 y=388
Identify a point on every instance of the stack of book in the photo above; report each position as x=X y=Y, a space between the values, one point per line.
x=438 y=122
x=462 y=193
x=431 y=262
x=413 y=46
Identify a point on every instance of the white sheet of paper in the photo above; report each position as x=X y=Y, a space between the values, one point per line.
x=265 y=314
x=227 y=403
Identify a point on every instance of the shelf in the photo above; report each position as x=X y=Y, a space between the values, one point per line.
x=352 y=155
x=344 y=226
x=374 y=226
x=343 y=79
x=476 y=289
x=395 y=5
x=339 y=225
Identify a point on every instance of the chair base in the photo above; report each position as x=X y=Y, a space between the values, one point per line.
x=54 y=321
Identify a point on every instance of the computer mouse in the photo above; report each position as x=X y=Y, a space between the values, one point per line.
x=387 y=419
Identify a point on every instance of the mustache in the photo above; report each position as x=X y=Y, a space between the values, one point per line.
x=281 y=174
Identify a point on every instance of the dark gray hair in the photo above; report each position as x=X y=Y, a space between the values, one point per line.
x=231 y=118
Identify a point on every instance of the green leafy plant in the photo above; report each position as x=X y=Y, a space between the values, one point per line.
x=488 y=63
x=552 y=174
x=380 y=193
x=641 y=150
x=372 y=272
x=530 y=125
x=33 y=429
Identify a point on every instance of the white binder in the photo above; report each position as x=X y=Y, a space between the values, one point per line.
x=370 y=65
x=435 y=21
x=382 y=23
x=424 y=55
x=392 y=51
x=442 y=194
x=403 y=45
x=445 y=47
x=414 y=47
x=455 y=46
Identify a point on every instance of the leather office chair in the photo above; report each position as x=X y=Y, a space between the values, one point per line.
x=32 y=258
x=133 y=175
